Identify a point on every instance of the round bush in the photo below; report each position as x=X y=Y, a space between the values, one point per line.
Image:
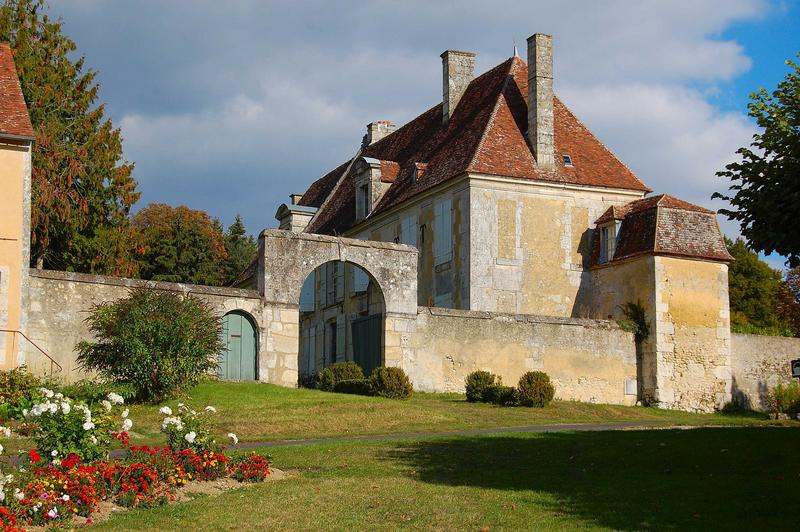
x=157 y=342
x=352 y=386
x=535 y=389
x=390 y=382
x=476 y=382
x=335 y=373
x=500 y=395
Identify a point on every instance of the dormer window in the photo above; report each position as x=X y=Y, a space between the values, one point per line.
x=369 y=183
x=608 y=241
x=567 y=160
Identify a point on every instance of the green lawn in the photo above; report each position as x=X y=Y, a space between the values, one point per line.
x=263 y=412
x=710 y=478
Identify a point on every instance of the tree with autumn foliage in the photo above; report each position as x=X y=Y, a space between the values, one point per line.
x=82 y=188
x=789 y=300
x=180 y=245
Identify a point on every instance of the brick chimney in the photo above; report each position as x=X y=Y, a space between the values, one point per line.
x=458 y=69
x=376 y=131
x=540 y=99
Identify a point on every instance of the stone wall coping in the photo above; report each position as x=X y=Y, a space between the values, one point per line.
x=278 y=233
x=142 y=283
x=790 y=341
x=528 y=318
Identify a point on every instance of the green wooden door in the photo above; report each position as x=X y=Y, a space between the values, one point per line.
x=238 y=360
x=367 y=342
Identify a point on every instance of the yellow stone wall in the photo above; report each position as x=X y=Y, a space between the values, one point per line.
x=692 y=333
x=14 y=228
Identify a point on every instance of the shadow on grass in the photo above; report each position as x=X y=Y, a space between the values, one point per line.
x=714 y=478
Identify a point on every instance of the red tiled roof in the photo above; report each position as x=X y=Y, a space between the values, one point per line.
x=664 y=225
x=661 y=200
x=14 y=119
x=486 y=134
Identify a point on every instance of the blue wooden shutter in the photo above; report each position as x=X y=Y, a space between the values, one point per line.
x=443 y=232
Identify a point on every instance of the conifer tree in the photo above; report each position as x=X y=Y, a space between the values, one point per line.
x=241 y=249
x=82 y=189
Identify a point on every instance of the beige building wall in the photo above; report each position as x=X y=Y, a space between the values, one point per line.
x=15 y=179
x=530 y=245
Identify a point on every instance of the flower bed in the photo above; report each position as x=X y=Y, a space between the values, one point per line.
x=50 y=487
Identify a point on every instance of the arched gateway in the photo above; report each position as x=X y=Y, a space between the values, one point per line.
x=285 y=261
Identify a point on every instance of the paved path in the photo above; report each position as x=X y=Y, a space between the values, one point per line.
x=467 y=432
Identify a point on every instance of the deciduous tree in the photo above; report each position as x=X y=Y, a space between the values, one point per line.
x=765 y=184
x=82 y=188
x=180 y=245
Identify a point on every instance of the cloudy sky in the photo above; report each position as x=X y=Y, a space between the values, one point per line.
x=231 y=106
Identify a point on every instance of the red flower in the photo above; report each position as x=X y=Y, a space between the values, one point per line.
x=34 y=456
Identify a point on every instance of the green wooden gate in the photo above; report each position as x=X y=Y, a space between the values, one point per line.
x=367 y=342
x=238 y=361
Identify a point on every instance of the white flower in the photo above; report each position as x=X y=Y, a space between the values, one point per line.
x=93 y=438
x=234 y=438
x=19 y=495
x=47 y=393
x=25 y=412
x=6 y=431
x=55 y=462
x=127 y=424
x=58 y=396
x=53 y=513
x=65 y=408
x=125 y=413
x=172 y=421
x=210 y=409
x=88 y=425
x=167 y=411
x=190 y=436
x=115 y=398
x=53 y=453
x=1 y=448
x=53 y=407
x=106 y=404
x=65 y=498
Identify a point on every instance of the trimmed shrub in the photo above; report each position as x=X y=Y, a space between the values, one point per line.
x=335 y=373
x=93 y=391
x=157 y=342
x=390 y=382
x=535 y=389
x=18 y=391
x=500 y=395
x=476 y=382
x=785 y=399
x=352 y=386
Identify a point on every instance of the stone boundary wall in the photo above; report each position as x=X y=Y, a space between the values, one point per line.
x=61 y=301
x=587 y=360
x=758 y=363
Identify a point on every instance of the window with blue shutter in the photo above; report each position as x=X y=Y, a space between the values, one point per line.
x=443 y=232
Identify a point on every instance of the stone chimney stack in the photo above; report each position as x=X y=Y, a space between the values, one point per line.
x=540 y=99
x=458 y=69
x=376 y=131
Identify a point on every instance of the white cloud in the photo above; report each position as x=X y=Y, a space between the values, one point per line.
x=268 y=95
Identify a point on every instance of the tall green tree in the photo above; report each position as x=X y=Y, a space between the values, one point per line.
x=180 y=245
x=753 y=290
x=765 y=188
x=82 y=188
x=241 y=248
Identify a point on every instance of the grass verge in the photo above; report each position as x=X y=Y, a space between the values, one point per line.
x=699 y=479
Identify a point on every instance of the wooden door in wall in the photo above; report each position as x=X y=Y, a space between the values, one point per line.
x=238 y=360
x=367 y=342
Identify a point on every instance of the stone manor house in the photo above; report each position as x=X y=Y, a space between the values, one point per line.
x=494 y=231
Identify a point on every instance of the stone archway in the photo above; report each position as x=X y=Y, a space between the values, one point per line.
x=287 y=258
